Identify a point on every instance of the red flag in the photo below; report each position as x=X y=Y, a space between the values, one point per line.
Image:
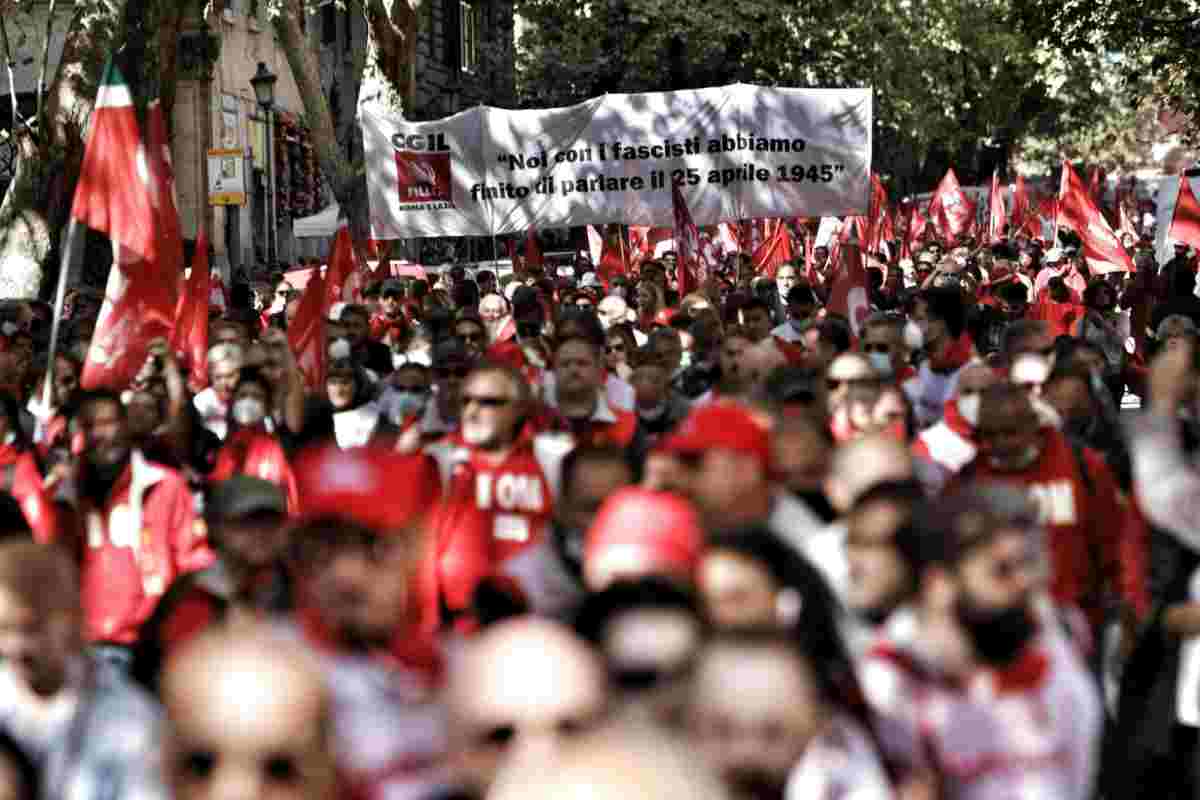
x=518 y=267
x=614 y=257
x=533 y=249
x=914 y=230
x=306 y=333
x=341 y=266
x=877 y=216
x=950 y=210
x=996 y=210
x=1101 y=247
x=810 y=261
x=1020 y=206
x=118 y=193
x=112 y=195
x=189 y=340
x=773 y=252
x=170 y=237
x=693 y=274
x=848 y=295
x=1185 y=223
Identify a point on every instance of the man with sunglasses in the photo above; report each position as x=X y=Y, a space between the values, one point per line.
x=502 y=481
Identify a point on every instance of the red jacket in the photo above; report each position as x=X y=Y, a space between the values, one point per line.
x=20 y=477
x=1091 y=538
x=143 y=538
x=256 y=453
x=490 y=512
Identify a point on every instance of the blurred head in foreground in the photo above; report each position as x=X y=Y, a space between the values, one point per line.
x=248 y=718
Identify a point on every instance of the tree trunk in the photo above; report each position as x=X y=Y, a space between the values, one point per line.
x=37 y=202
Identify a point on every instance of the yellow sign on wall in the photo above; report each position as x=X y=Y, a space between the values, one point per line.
x=227 y=177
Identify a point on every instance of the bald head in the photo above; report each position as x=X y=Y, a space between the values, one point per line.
x=617 y=763
x=249 y=717
x=865 y=462
x=517 y=693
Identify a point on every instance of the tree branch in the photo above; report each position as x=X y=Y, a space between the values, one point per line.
x=395 y=36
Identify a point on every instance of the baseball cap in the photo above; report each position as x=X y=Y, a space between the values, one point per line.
x=244 y=496
x=641 y=531
x=374 y=487
x=722 y=426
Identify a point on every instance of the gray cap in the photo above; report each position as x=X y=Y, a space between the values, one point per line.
x=243 y=496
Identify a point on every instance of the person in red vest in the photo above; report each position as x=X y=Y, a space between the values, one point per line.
x=502 y=482
x=137 y=530
x=252 y=446
x=1093 y=552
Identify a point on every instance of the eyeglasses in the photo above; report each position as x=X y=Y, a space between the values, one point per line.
x=486 y=401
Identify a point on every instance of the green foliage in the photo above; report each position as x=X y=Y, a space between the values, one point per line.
x=1156 y=43
x=955 y=83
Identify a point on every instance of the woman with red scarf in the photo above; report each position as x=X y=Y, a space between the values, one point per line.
x=252 y=447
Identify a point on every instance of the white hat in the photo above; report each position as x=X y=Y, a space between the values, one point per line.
x=1053 y=254
x=589 y=279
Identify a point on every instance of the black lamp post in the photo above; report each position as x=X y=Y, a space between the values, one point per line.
x=264 y=91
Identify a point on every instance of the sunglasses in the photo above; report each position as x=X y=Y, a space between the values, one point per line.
x=486 y=401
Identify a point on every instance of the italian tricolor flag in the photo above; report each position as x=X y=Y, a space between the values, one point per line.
x=115 y=197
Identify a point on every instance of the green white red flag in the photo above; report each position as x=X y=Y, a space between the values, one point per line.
x=123 y=192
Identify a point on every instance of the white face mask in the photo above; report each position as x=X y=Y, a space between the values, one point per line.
x=882 y=363
x=914 y=337
x=249 y=411
x=409 y=403
x=968 y=407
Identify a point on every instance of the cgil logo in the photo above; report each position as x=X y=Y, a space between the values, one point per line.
x=421 y=142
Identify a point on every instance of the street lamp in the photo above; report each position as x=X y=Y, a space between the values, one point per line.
x=264 y=91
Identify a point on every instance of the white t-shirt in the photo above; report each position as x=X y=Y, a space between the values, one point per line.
x=840 y=764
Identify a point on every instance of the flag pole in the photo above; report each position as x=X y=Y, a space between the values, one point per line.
x=70 y=255
x=621 y=241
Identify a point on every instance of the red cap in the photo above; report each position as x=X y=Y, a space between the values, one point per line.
x=641 y=532
x=379 y=488
x=723 y=425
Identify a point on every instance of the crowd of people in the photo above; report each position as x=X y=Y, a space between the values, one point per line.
x=556 y=536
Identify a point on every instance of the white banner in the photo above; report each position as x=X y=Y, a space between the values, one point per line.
x=741 y=152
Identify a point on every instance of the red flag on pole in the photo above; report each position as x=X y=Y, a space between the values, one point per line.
x=1185 y=223
x=1020 y=206
x=950 y=210
x=113 y=196
x=341 y=267
x=775 y=251
x=614 y=257
x=810 y=261
x=693 y=274
x=306 y=333
x=119 y=191
x=848 y=295
x=914 y=230
x=170 y=258
x=189 y=340
x=996 y=210
x=533 y=249
x=518 y=267
x=1077 y=211
x=877 y=216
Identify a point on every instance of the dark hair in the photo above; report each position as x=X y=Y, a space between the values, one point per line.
x=947 y=305
x=944 y=531
x=11 y=409
x=836 y=331
x=1018 y=331
x=92 y=397
x=587 y=325
x=27 y=772
x=652 y=592
x=755 y=301
x=801 y=293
